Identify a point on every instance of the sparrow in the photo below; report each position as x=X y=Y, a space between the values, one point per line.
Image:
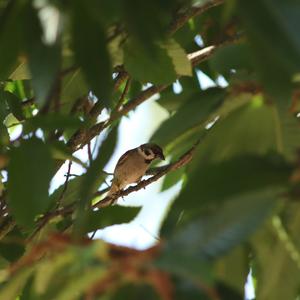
x=132 y=166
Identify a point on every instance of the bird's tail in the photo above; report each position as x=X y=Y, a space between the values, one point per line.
x=113 y=190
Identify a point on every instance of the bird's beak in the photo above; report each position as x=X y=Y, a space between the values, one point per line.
x=161 y=156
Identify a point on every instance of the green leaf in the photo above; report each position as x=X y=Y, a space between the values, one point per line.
x=10 y=247
x=110 y=216
x=179 y=58
x=277 y=256
x=10 y=37
x=89 y=43
x=237 y=57
x=194 y=113
x=52 y=121
x=30 y=170
x=80 y=283
x=228 y=225
x=60 y=151
x=13 y=288
x=89 y=181
x=135 y=292
x=268 y=22
x=4 y=137
x=150 y=24
x=44 y=60
x=237 y=178
x=172 y=178
x=14 y=104
x=250 y=129
x=73 y=87
x=157 y=69
x=21 y=72
x=233 y=268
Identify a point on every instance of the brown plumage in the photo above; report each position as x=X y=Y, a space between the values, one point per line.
x=133 y=164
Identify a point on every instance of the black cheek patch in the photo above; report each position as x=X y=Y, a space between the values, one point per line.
x=148 y=161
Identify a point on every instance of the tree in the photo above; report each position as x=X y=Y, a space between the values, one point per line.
x=234 y=146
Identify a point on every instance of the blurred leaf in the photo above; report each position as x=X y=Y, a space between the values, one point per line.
x=185 y=265
x=52 y=121
x=267 y=23
x=80 y=283
x=14 y=104
x=237 y=179
x=150 y=24
x=157 y=69
x=110 y=216
x=60 y=151
x=135 y=292
x=213 y=234
x=277 y=259
x=179 y=58
x=251 y=129
x=47 y=269
x=4 y=137
x=97 y=165
x=73 y=87
x=233 y=269
x=13 y=288
x=44 y=60
x=236 y=56
x=116 y=50
x=21 y=72
x=11 y=247
x=10 y=36
x=172 y=178
x=89 y=182
x=195 y=112
x=89 y=42
x=32 y=182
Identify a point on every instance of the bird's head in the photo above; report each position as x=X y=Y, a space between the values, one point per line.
x=151 y=151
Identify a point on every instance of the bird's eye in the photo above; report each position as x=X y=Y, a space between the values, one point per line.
x=147 y=152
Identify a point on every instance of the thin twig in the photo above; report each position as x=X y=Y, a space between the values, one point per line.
x=122 y=98
x=89 y=152
x=66 y=184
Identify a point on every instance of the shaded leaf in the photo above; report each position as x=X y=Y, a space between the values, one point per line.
x=13 y=288
x=11 y=248
x=179 y=58
x=195 y=112
x=10 y=37
x=276 y=257
x=157 y=69
x=89 y=42
x=172 y=178
x=230 y=224
x=14 y=104
x=73 y=87
x=267 y=23
x=52 y=121
x=44 y=60
x=97 y=165
x=30 y=198
x=110 y=216
x=236 y=56
x=233 y=179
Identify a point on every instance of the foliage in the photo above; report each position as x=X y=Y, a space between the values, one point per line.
x=234 y=147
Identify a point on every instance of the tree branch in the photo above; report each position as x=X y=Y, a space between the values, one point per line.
x=182 y=161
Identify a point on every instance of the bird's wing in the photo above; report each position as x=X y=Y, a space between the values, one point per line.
x=123 y=158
